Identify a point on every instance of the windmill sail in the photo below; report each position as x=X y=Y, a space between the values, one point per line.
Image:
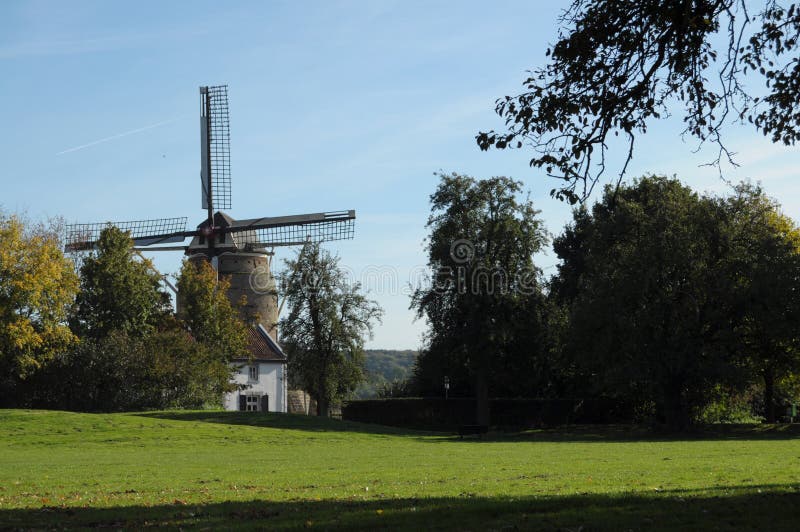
x=293 y=230
x=215 y=148
x=143 y=232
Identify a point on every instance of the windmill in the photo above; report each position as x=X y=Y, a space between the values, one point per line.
x=240 y=249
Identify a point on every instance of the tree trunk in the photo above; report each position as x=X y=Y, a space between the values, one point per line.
x=481 y=398
x=769 y=394
x=323 y=407
x=480 y=359
x=676 y=412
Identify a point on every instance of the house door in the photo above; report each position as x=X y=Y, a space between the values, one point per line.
x=265 y=403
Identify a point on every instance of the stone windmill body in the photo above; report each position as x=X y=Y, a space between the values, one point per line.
x=238 y=249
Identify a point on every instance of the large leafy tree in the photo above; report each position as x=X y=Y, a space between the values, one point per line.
x=37 y=287
x=618 y=66
x=327 y=323
x=118 y=292
x=644 y=275
x=766 y=266
x=203 y=306
x=484 y=306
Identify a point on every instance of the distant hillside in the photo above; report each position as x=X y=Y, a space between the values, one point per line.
x=384 y=366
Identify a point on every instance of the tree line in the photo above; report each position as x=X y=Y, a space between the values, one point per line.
x=98 y=332
x=103 y=336
x=670 y=302
x=681 y=305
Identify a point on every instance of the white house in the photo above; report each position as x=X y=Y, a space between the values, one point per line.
x=263 y=374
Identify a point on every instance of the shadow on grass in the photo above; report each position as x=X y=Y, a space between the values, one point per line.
x=574 y=433
x=631 y=433
x=774 y=508
x=283 y=421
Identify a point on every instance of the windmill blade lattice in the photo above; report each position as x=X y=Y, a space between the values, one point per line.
x=143 y=232
x=293 y=230
x=215 y=146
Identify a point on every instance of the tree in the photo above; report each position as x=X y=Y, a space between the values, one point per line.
x=483 y=305
x=182 y=373
x=118 y=292
x=207 y=312
x=326 y=326
x=37 y=286
x=617 y=66
x=165 y=369
x=767 y=269
x=645 y=278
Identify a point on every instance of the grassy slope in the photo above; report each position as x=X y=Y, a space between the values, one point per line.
x=237 y=470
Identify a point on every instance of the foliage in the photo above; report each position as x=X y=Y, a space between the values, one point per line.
x=165 y=369
x=118 y=293
x=730 y=406
x=617 y=66
x=133 y=354
x=187 y=374
x=651 y=312
x=384 y=370
x=671 y=296
x=788 y=389
x=484 y=306
x=37 y=287
x=198 y=470
x=324 y=331
x=395 y=388
x=207 y=312
x=389 y=363
x=767 y=268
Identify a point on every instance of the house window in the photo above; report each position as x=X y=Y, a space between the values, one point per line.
x=254 y=373
x=252 y=403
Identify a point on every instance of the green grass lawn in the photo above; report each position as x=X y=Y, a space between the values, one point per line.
x=231 y=470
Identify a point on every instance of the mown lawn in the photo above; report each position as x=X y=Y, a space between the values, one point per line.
x=231 y=470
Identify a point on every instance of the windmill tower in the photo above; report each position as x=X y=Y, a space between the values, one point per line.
x=240 y=249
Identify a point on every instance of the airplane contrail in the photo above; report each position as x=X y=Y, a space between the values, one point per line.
x=118 y=135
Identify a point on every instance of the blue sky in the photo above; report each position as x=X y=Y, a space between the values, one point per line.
x=334 y=105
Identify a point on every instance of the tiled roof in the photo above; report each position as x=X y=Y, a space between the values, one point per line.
x=262 y=347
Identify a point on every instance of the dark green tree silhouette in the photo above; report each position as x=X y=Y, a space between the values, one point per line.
x=646 y=278
x=483 y=306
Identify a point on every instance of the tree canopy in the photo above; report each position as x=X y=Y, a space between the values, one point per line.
x=117 y=291
x=618 y=66
x=204 y=307
x=37 y=287
x=650 y=309
x=482 y=306
x=766 y=259
x=671 y=294
x=166 y=368
x=327 y=324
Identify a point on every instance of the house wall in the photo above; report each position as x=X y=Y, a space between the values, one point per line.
x=271 y=381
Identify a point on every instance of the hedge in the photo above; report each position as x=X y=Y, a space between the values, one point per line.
x=449 y=414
